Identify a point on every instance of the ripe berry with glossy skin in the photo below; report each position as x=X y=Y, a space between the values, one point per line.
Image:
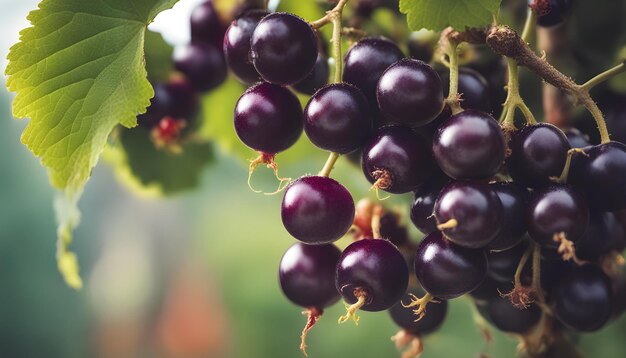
x=603 y=235
x=576 y=138
x=203 y=65
x=176 y=99
x=476 y=209
x=317 y=209
x=424 y=204
x=583 y=299
x=474 y=89
x=447 y=270
x=601 y=175
x=307 y=274
x=514 y=199
x=503 y=264
x=206 y=25
x=557 y=209
x=237 y=45
x=410 y=92
x=391 y=229
x=469 y=145
x=317 y=78
x=554 y=13
x=283 y=48
x=366 y=61
x=268 y=118
x=337 y=118
x=376 y=267
x=405 y=318
x=510 y=319
x=538 y=152
x=399 y=156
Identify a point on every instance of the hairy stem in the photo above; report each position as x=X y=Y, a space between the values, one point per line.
x=505 y=41
x=451 y=49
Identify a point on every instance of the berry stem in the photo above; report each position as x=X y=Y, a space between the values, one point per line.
x=536 y=279
x=377 y=213
x=451 y=49
x=520 y=267
x=513 y=99
x=313 y=315
x=361 y=296
x=327 y=19
x=506 y=42
x=450 y=224
x=529 y=25
x=330 y=163
x=568 y=163
x=606 y=75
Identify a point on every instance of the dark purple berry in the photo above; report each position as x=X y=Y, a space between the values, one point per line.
x=337 y=118
x=203 y=65
x=604 y=234
x=583 y=299
x=514 y=199
x=366 y=61
x=447 y=270
x=424 y=204
x=317 y=210
x=391 y=229
x=474 y=89
x=176 y=99
x=316 y=79
x=503 y=264
x=602 y=175
x=283 y=48
x=237 y=46
x=268 y=118
x=206 y=25
x=490 y=289
x=396 y=159
x=410 y=92
x=538 y=153
x=473 y=210
x=511 y=319
x=405 y=318
x=375 y=268
x=307 y=275
x=469 y=145
x=576 y=138
x=557 y=210
x=551 y=12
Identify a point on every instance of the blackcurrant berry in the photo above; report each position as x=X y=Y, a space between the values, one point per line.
x=552 y=12
x=317 y=209
x=206 y=25
x=576 y=138
x=317 y=78
x=583 y=299
x=503 y=264
x=373 y=271
x=268 y=118
x=601 y=174
x=424 y=203
x=337 y=118
x=410 y=92
x=469 y=213
x=514 y=199
x=538 y=153
x=603 y=235
x=490 y=289
x=307 y=274
x=366 y=61
x=554 y=211
x=447 y=270
x=283 y=48
x=474 y=89
x=469 y=145
x=405 y=318
x=237 y=45
x=391 y=229
x=203 y=65
x=176 y=99
x=511 y=319
x=396 y=159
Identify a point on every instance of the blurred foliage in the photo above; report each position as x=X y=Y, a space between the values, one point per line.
x=158 y=55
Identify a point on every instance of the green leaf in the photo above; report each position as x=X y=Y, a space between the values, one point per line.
x=438 y=14
x=78 y=72
x=158 y=57
x=156 y=172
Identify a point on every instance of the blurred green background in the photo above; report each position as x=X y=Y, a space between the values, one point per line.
x=190 y=276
